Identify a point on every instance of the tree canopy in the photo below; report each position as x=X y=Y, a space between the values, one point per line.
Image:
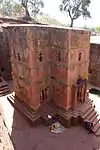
x=97 y=29
x=75 y=9
x=32 y=5
x=11 y=9
x=45 y=18
x=26 y=8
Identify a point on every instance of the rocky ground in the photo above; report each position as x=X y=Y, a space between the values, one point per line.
x=5 y=141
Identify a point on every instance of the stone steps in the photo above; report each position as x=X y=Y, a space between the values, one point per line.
x=31 y=112
x=23 y=110
x=46 y=110
x=61 y=111
x=91 y=115
x=87 y=113
x=98 y=133
x=3 y=85
x=82 y=110
x=65 y=114
x=33 y=116
x=93 y=118
x=21 y=106
x=18 y=104
x=75 y=113
x=17 y=107
x=4 y=89
x=90 y=102
x=96 y=126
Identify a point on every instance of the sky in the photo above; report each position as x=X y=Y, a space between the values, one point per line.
x=52 y=9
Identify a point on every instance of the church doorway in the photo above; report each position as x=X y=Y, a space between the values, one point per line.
x=43 y=95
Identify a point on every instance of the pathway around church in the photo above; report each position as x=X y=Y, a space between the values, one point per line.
x=27 y=137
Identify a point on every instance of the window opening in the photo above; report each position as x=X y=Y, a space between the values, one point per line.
x=79 y=58
x=2 y=69
x=58 y=56
x=43 y=95
x=19 y=57
x=90 y=70
x=52 y=77
x=40 y=57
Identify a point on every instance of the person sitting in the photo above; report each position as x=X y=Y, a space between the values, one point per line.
x=88 y=126
x=51 y=127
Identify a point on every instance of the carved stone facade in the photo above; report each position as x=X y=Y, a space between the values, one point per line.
x=5 y=64
x=94 y=65
x=47 y=62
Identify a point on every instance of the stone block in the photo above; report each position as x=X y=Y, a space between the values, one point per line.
x=75 y=121
x=64 y=121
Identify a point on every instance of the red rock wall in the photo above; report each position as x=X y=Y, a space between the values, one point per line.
x=5 y=65
x=94 y=65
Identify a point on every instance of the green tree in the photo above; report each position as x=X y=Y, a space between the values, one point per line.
x=97 y=29
x=17 y=10
x=75 y=9
x=45 y=18
x=34 y=7
x=6 y=9
x=11 y=9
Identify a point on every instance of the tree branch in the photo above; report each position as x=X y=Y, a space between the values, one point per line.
x=32 y=3
x=69 y=13
x=76 y=10
x=24 y=3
